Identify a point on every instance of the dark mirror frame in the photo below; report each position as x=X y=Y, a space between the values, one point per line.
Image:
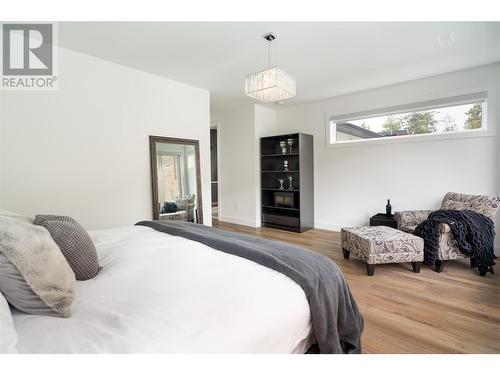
x=154 y=175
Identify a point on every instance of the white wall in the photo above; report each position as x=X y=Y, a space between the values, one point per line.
x=352 y=183
x=236 y=174
x=240 y=130
x=265 y=124
x=83 y=150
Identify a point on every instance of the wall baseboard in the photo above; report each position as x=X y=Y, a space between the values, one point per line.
x=328 y=226
x=236 y=220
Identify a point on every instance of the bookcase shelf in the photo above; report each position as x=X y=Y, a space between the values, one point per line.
x=280 y=171
x=297 y=213
x=282 y=208
x=283 y=190
x=276 y=155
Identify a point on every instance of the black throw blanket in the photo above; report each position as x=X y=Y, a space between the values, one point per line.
x=474 y=233
x=336 y=320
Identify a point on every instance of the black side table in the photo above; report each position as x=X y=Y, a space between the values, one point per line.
x=383 y=219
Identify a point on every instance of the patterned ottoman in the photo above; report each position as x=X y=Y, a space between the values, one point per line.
x=379 y=245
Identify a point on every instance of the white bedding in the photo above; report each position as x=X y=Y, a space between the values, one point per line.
x=160 y=293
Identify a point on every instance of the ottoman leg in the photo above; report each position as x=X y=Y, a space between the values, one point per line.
x=346 y=253
x=370 y=269
x=438 y=265
x=416 y=266
x=473 y=263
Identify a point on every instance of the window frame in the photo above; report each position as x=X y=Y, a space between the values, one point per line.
x=179 y=171
x=487 y=93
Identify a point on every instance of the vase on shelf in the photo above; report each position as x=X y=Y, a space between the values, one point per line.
x=281 y=180
x=290 y=186
x=289 y=142
x=283 y=147
x=285 y=165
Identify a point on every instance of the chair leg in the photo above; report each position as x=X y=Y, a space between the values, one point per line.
x=346 y=253
x=416 y=266
x=473 y=262
x=438 y=265
x=370 y=269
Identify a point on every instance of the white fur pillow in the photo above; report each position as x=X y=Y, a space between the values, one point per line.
x=34 y=275
x=8 y=334
x=15 y=215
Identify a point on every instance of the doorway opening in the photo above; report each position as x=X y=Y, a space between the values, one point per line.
x=214 y=163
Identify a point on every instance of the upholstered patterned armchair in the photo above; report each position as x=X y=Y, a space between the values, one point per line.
x=448 y=248
x=187 y=204
x=185 y=209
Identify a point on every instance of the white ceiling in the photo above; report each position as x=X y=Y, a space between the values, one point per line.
x=327 y=59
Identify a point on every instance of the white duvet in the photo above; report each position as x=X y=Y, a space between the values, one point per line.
x=160 y=293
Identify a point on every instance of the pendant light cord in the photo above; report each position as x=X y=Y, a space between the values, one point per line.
x=269 y=54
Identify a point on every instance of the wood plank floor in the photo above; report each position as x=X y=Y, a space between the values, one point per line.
x=455 y=311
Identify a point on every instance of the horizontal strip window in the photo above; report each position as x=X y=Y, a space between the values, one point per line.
x=460 y=114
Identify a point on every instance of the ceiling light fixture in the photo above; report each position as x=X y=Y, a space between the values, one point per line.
x=271 y=84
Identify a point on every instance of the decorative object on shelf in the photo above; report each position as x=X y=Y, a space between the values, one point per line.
x=388 y=208
x=271 y=84
x=285 y=165
x=290 y=186
x=283 y=199
x=283 y=147
x=281 y=180
x=289 y=142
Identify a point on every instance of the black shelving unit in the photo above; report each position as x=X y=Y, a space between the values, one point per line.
x=291 y=208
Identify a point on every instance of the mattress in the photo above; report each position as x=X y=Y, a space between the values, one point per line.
x=158 y=293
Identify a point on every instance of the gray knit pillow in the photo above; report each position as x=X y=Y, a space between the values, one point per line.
x=74 y=242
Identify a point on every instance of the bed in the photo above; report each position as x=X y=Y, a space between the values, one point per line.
x=160 y=293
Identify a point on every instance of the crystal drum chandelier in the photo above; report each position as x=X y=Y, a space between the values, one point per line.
x=271 y=84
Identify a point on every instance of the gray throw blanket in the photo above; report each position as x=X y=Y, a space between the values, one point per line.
x=474 y=233
x=336 y=321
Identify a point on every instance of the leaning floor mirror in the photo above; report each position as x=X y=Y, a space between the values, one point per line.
x=176 y=182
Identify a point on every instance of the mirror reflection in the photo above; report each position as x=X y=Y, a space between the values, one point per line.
x=176 y=184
